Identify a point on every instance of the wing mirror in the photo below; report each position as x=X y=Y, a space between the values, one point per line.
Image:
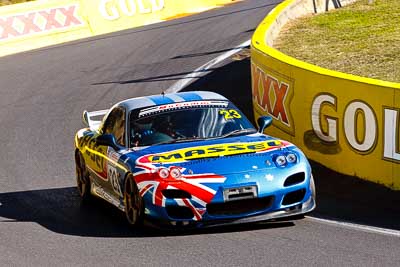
x=263 y=122
x=107 y=140
x=85 y=118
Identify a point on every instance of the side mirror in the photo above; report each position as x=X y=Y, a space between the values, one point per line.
x=264 y=122
x=85 y=118
x=107 y=140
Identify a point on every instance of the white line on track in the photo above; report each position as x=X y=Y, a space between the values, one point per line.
x=358 y=227
x=197 y=73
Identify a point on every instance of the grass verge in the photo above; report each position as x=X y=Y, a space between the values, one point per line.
x=10 y=2
x=361 y=39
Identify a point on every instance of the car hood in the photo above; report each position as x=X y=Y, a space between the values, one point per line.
x=249 y=153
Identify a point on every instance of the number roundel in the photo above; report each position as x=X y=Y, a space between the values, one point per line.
x=114 y=179
x=230 y=114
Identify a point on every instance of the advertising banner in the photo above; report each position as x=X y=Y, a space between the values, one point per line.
x=30 y=25
x=350 y=124
x=42 y=23
x=113 y=15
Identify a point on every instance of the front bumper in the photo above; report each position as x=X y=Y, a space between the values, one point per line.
x=300 y=209
x=288 y=213
x=281 y=203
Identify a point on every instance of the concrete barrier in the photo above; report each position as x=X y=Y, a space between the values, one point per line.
x=348 y=123
x=42 y=23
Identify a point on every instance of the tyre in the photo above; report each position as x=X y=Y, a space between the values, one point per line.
x=82 y=177
x=134 y=206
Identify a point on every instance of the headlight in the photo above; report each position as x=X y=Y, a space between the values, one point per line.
x=291 y=158
x=280 y=160
x=163 y=173
x=175 y=173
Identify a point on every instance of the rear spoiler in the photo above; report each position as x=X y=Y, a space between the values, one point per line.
x=89 y=121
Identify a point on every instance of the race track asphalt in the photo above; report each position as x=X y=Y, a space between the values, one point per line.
x=42 y=221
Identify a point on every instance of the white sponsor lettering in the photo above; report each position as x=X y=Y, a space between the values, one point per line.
x=180 y=105
x=109 y=14
x=157 y=5
x=128 y=7
x=355 y=111
x=142 y=8
x=100 y=192
x=331 y=135
x=391 y=132
x=114 y=9
x=350 y=126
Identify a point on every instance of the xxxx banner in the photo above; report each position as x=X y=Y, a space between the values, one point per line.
x=36 y=23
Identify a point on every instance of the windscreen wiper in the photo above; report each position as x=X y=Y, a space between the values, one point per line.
x=181 y=140
x=239 y=132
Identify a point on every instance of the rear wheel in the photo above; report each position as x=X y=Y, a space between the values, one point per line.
x=82 y=177
x=134 y=207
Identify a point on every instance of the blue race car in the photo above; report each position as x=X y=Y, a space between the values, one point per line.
x=190 y=158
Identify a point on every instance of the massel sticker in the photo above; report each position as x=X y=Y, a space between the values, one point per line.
x=219 y=150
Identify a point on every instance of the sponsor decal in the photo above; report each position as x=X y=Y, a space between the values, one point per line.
x=103 y=160
x=37 y=22
x=272 y=94
x=99 y=191
x=230 y=114
x=114 y=177
x=220 y=150
x=182 y=105
x=360 y=125
x=93 y=153
x=113 y=174
x=115 y=9
x=391 y=136
x=112 y=155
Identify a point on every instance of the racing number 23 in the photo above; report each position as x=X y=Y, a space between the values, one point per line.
x=230 y=114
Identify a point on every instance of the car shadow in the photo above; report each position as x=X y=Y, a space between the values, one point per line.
x=61 y=210
x=160 y=78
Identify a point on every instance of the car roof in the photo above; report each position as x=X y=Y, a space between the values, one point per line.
x=165 y=99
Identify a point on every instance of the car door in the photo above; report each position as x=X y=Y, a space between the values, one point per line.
x=115 y=125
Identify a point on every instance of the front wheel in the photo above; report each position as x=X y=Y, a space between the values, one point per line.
x=134 y=207
x=82 y=177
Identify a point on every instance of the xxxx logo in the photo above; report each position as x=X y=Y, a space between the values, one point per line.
x=40 y=21
x=272 y=94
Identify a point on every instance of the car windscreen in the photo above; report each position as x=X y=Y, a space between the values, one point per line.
x=155 y=126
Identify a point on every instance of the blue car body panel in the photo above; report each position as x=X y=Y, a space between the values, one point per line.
x=224 y=180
